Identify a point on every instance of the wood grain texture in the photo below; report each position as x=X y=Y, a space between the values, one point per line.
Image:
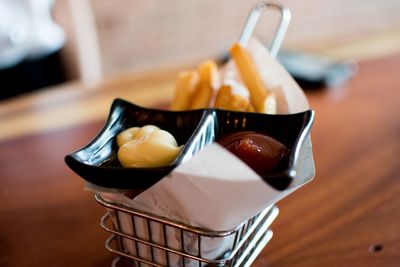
x=353 y=202
x=46 y=219
x=74 y=103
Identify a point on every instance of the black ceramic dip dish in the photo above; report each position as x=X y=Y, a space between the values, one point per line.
x=97 y=162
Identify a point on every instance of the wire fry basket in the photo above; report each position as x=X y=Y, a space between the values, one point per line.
x=156 y=241
x=141 y=239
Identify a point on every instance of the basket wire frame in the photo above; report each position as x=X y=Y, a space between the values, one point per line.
x=246 y=240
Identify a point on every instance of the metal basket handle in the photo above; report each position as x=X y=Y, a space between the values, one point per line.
x=253 y=19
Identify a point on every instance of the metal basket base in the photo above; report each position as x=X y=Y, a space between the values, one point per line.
x=248 y=239
x=121 y=261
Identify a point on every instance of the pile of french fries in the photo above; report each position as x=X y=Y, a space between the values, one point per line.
x=202 y=88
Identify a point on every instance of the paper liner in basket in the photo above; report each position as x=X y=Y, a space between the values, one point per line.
x=207 y=191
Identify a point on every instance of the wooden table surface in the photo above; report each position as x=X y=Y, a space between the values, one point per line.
x=348 y=216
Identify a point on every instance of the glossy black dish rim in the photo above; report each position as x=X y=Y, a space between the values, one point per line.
x=121 y=178
x=116 y=176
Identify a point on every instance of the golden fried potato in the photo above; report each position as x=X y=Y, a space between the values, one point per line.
x=185 y=86
x=259 y=94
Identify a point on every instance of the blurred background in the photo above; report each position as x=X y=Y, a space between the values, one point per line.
x=48 y=42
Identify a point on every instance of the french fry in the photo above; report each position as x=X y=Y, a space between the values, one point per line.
x=251 y=78
x=223 y=97
x=201 y=96
x=250 y=108
x=239 y=103
x=208 y=72
x=185 y=85
x=195 y=89
x=226 y=100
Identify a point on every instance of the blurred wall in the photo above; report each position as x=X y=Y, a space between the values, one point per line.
x=138 y=35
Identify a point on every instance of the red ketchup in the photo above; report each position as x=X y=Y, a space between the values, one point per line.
x=264 y=154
